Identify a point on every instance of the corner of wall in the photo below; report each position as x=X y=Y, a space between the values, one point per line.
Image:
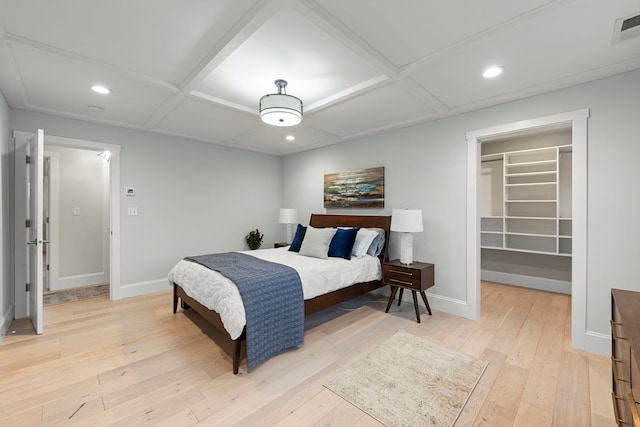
x=595 y=342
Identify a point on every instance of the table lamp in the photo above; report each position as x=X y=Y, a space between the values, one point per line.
x=406 y=222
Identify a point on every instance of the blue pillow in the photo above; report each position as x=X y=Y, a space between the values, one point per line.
x=342 y=243
x=298 y=238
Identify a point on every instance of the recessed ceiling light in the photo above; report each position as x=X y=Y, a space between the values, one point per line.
x=291 y=138
x=101 y=89
x=493 y=71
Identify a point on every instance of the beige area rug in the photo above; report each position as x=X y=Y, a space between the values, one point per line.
x=409 y=381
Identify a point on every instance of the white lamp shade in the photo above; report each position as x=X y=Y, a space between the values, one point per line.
x=280 y=110
x=406 y=220
x=288 y=216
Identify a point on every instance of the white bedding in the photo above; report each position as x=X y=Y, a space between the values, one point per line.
x=318 y=277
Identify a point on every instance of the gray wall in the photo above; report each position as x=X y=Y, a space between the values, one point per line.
x=425 y=168
x=192 y=197
x=6 y=289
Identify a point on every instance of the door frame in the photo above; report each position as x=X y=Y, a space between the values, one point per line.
x=577 y=121
x=114 y=212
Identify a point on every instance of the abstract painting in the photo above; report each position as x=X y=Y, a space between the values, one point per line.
x=355 y=189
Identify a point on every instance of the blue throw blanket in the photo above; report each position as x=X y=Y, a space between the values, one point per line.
x=272 y=298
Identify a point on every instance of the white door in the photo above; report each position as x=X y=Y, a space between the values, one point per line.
x=35 y=177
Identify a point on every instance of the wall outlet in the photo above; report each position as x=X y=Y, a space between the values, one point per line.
x=76 y=211
x=132 y=211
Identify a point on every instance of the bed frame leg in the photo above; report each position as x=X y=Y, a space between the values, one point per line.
x=237 y=345
x=175 y=298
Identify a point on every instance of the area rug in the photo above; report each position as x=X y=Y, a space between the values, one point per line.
x=409 y=381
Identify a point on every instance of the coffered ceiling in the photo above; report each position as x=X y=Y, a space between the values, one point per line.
x=197 y=68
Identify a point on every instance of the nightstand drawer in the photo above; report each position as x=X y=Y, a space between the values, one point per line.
x=417 y=276
x=402 y=277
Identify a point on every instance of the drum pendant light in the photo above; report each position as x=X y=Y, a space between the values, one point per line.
x=280 y=109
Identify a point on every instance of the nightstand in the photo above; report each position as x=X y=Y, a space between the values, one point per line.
x=416 y=277
x=280 y=244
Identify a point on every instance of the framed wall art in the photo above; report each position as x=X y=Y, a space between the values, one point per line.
x=355 y=189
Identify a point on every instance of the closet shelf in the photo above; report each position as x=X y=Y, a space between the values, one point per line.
x=521 y=164
x=532 y=184
x=526 y=251
x=521 y=174
x=547 y=218
x=517 y=233
x=527 y=187
x=531 y=201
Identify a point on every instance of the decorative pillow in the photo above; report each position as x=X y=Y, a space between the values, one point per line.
x=378 y=242
x=316 y=242
x=298 y=238
x=363 y=240
x=342 y=243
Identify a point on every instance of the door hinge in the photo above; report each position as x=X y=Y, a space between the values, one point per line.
x=27 y=287
x=28 y=223
x=47 y=267
x=28 y=160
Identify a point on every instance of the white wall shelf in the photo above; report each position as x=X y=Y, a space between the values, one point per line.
x=525 y=208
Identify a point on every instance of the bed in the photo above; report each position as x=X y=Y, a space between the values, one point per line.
x=311 y=305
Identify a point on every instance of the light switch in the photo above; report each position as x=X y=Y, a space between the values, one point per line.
x=76 y=211
x=132 y=211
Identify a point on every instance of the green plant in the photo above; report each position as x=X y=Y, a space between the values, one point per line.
x=254 y=239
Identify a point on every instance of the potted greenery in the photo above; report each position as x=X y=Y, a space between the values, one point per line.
x=254 y=239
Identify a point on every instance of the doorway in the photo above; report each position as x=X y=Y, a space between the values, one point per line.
x=113 y=231
x=76 y=224
x=525 y=209
x=577 y=121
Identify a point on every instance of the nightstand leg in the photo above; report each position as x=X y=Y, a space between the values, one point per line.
x=394 y=289
x=400 y=297
x=426 y=303
x=415 y=305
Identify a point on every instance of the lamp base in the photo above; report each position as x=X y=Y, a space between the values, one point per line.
x=406 y=248
x=289 y=233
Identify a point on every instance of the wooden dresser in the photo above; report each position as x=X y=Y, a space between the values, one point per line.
x=625 y=359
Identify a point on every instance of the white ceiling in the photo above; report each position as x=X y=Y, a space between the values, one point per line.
x=197 y=68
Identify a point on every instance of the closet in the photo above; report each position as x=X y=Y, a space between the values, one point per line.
x=525 y=208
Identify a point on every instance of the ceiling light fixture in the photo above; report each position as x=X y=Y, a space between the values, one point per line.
x=280 y=109
x=291 y=138
x=101 y=89
x=492 y=71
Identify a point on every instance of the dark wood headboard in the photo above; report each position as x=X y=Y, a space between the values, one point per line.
x=366 y=221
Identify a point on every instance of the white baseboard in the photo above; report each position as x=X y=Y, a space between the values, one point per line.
x=5 y=321
x=448 y=305
x=70 y=282
x=596 y=342
x=532 y=282
x=140 y=288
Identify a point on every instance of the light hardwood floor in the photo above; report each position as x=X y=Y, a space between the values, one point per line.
x=133 y=362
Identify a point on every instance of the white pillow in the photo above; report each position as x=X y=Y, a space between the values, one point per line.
x=363 y=240
x=316 y=242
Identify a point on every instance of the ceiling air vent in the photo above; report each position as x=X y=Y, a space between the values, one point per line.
x=626 y=28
